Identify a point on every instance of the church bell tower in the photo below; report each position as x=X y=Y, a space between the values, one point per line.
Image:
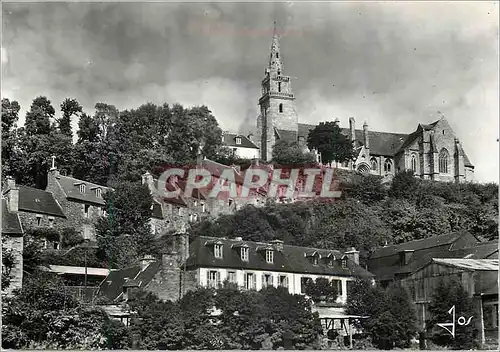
x=277 y=103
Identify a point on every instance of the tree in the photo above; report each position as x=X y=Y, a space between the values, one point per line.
x=332 y=145
x=125 y=234
x=42 y=315
x=290 y=154
x=10 y=116
x=446 y=295
x=69 y=107
x=403 y=311
x=321 y=290
x=404 y=185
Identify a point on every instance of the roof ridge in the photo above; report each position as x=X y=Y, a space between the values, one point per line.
x=88 y=182
x=420 y=239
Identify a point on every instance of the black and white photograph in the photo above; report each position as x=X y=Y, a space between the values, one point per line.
x=288 y=175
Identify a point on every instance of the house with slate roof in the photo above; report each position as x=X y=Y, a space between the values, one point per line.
x=242 y=146
x=432 y=151
x=208 y=262
x=419 y=265
x=82 y=201
x=36 y=209
x=395 y=262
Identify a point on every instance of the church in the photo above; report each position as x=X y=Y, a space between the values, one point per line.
x=432 y=151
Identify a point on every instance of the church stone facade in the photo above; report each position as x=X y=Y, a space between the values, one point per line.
x=432 y=151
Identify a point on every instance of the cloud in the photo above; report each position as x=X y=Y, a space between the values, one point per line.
x=392 y=64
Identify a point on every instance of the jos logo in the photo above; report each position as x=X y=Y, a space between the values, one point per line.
x=461 y=321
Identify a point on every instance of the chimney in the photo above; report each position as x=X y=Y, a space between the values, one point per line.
x=405 y=256
x=238 y=238
x=353 y=255
x=148 y=259
x=337 y=121
x=250 y=137
x=278 y=244
x=366 y=140
x=352 y=128
x=12 y=195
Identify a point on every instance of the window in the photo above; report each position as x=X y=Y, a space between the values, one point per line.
x=279 y=86
x=82 y=188
x=203 y=207
x=267 y=280
x=195 y=217
x=277 y=55
x=230 y=202
x=349 y=287
x=56 y=245
x=195 y=203
x=279 y=72
x=344 y=263
x=180 y=211
x=303 y=283
x=213 y=279
x=250 y=283
x=38 y=220
x=51 y=221
x=238 y=140
x=443 y=131
x=315 y=260
x=414 y=163
x=283 y=281
x=281 y=107
x=374 y=165
x=244 y=254
x=86 y=209
x=269 y=256
x=218 y=251
x=338 y=285
x=387 y=165
x=231 y=277
x=45 y=243
x=443 y=161
x=98 y=192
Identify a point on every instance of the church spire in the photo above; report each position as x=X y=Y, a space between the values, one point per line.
x=275 y=63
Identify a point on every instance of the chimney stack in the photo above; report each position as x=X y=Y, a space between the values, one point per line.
x=352 y=128
x=353 y=255
x=148 y=259
x=12 y=195
x=250 y=137
x=278 y=244
x=337 y=121
x=366 y=140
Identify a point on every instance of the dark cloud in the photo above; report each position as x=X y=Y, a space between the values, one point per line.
x=394 y=65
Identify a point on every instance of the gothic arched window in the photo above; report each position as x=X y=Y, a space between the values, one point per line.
x=374 y=165
x=414 y=163
x=387 y=165
x=443 y=161
x=281 y=107
x=279 y=86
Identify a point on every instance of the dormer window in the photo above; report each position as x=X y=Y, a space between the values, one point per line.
x=218 y=251
x=98 y=192
x=269 y=256
x=82 y=188
x=344 y=263
x=238 y=140
x=244 y=254
x=315 y=260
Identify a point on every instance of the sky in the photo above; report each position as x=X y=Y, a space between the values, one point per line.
x=394 y=65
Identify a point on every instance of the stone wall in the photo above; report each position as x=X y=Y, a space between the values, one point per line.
x=15 y=245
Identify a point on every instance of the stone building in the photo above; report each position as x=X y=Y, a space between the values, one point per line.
x=208 y=262
x=432 y=151
x=37 y=209
x=82 y=201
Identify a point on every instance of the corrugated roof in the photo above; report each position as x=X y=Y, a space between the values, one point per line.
x=11 y=224
x=469 y=264
x=78 y=270
x=35 y=200
x=71 y=188
x=290 y=259
x=230 y=141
